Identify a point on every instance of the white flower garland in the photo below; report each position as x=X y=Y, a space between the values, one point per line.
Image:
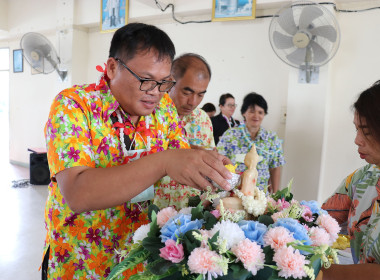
x=121 y=134
x=254 y=205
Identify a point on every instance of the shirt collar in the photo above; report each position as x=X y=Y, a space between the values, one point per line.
x=260 y=135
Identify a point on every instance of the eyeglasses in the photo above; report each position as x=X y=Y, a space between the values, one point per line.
x=149 y=84
x=231 y=105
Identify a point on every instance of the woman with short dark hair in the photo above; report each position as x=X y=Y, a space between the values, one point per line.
x=237 y=141
x=356 y=202
x=224 y=120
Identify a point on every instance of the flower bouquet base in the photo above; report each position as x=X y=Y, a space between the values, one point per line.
x=290 y=240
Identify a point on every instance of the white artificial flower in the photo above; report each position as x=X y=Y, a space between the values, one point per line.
x=141 y=233
x=228 y=231
x=186 y=210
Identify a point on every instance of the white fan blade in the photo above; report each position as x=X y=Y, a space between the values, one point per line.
x=309 y=13
x=282 y=41
x=298 y=56
x=319 y=54
x=326 y=31
x=286 y=21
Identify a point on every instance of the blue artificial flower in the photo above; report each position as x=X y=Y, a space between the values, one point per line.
x=178 y=225
x=254 y=231
x=314 y=206
x=299 y=232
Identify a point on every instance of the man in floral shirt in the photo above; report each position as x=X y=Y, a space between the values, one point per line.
x=107 y=144
x=192 y=74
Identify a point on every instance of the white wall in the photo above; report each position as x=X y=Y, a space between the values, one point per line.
x=355 y=68
x=241 y=59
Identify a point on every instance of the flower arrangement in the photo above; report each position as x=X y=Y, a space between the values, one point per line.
x=239 y=234
x=290 y=240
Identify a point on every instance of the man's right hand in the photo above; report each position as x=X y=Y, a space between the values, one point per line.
x=191 y=166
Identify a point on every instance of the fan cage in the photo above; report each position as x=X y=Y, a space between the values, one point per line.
x=327 y=18
x=37 y=45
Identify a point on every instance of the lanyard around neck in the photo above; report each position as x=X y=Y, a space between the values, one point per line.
x=229 y=122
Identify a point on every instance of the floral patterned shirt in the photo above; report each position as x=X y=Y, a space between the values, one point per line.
x=80 y=132
x=236 y=142
x=198 y=128
x=356 y=202
x=199 y=132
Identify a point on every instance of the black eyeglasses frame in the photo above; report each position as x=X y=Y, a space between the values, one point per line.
x=144 y=80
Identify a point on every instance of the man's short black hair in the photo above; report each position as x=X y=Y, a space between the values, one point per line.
x=136 y=37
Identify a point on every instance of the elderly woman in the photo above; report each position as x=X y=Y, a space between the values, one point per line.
x=356 y=202
x=237 y=141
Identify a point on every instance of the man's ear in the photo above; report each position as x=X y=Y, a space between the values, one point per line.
x=111 y=67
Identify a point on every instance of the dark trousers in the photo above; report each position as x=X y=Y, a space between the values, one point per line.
x=45 y=265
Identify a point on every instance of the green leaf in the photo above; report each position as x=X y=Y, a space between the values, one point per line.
x=269 y=253
x=317 y=266
x=133 y=259
x=152 y=208
x=284 y=193
x=160 y=266
x=194 y=201
x=154 y=229
x=210 y=220
x=190 y=241
x=153 y=245
x=197 y=212
x=266 y=220
x=174 y=274
x=266 y=273
x=212 y=241
x=239 y=272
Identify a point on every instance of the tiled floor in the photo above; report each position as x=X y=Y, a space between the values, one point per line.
x=22 y=224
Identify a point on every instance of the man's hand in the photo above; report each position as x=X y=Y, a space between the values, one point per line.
x=190 y=167
x=225 y=159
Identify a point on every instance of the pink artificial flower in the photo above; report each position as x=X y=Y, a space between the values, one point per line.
x=278 y=215
x=216 y=213
x=278 y=237
x=307 y=214
x=319 y=236
x=282 y=204
x=205 y=234
x=290 y=262
x=164 y=215
x=250 y=254
x=203 y=261
x=271 y=203
x=330 y=225
x=172 y=252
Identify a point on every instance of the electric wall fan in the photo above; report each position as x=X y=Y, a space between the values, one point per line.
x=40 y=54
x=305 y=35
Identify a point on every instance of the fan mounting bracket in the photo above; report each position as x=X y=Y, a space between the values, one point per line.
x=308 y=74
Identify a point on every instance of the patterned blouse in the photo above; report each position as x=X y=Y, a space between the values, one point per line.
x=199 y=129
x=80 y=132
x=198 y=132
x=356 y=202
x=236 y=143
